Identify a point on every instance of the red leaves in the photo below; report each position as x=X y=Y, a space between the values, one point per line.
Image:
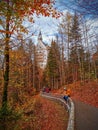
x=47 y=115
x=95 y=56
x=54 y=115
x=43 y=1
x=87 y=93
x=22 y=8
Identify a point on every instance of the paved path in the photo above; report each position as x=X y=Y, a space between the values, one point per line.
x=86 y=116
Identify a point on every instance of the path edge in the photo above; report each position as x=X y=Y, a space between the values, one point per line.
x=70 y=105
x=71 y=115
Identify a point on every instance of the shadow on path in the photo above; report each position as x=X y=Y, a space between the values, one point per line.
x=86 y=116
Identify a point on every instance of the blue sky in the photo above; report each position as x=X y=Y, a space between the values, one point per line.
x=49 y=26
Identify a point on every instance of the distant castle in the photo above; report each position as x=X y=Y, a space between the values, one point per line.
x=41 y=52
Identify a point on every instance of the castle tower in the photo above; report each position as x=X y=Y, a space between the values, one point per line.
x=42 y=52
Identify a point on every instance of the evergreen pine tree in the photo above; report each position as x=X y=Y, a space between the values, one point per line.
x=52 y=68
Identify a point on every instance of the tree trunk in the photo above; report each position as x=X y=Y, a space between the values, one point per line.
x=6 y=73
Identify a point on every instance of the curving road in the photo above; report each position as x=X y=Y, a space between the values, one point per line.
x=86 y=116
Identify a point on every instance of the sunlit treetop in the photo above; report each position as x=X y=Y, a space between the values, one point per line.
x=23 y=8
x=14 y=11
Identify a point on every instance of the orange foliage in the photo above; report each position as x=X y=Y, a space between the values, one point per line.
x=87 y=92
x=20 y=9
x=95 y=56
x=47 y=115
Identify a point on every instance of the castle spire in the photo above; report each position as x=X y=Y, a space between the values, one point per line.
x=40 y=36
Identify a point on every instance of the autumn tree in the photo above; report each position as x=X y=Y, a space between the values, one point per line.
x=33 y=70
x=95 y=63
x=36 y=71
x=65 y=32
x=20 y=63
x=24 y=73
x=12 y=14
x=75 y=42
x=71 y=34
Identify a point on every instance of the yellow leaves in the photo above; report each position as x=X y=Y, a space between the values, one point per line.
x=31 y=20
x=68 y=16
x=6 y=39
x=95 y=56
x=20 y=37
x=0 y=21
x=21 y=28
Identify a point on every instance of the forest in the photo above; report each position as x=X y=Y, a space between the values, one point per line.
x=72 y=58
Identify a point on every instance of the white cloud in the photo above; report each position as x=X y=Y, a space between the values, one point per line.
x=49 y=25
